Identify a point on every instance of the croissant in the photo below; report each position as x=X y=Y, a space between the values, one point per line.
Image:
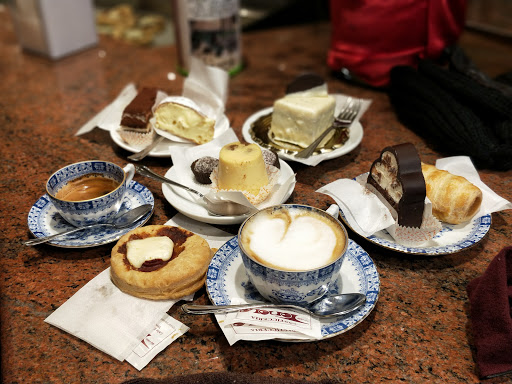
x=454 y=199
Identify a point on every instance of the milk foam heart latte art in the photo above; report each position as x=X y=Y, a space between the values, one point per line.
x=293 y=239
x=292 y=253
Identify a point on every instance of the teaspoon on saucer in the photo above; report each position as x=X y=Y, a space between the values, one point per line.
x=119 y=222
x=214 y=207
x=328 y=306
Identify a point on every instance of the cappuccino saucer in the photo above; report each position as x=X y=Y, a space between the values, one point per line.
x=44 y=220
x=227 y=283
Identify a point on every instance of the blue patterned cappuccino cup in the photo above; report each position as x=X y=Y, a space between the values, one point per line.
x=89 y=192
x=292 y=253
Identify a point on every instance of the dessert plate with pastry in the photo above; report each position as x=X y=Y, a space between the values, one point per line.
x=235 y=171
x=178 y=119
x=411 y=207
x=227 y=283
x=300 y=117
x=44 y=220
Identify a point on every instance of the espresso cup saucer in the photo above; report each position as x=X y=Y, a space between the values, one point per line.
x=227 y=283
x=44 y=220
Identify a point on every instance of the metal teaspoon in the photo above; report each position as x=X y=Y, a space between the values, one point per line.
x=214 y=207
x=328 y=306
x=119 y=222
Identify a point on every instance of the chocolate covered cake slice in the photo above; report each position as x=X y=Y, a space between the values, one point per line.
x=135 y=128
x=136 y=115
x=396 y=175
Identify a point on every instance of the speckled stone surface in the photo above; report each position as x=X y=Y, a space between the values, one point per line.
x=420 y=329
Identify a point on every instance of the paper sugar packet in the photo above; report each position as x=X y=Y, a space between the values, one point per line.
x=164 y=333
x=269 y=323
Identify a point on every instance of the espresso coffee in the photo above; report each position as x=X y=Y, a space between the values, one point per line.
x=292 y=239
x=87 y=187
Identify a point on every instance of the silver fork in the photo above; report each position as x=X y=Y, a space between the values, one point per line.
x=344 y=119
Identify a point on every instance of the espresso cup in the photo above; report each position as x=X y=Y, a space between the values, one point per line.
x=292 y=253
x=89 y=192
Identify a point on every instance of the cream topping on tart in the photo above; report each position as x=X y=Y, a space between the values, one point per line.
x=152 y=248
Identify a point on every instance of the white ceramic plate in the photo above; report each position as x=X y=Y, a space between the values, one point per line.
x=185 y=202
x=451 y=239
x=226 y=280
x=44 y=220
x=355 y=137
x=163 y=148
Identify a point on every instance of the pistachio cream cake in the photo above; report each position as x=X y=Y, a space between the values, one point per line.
x=160 y=262
x=304 y=113
x=242 y=168
x=184 y=121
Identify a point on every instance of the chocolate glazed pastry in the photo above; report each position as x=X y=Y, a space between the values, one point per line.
x=397 y=176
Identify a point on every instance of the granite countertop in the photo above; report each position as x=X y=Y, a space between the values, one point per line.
x=419 y=330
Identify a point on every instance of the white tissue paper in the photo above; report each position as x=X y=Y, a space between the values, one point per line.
x=184 y=157
x=366 y=214
x=124 y=326
x=107 y=318
x=206 y=87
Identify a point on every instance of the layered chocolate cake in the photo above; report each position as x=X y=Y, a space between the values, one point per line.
x=397 y=177
x=135 y=128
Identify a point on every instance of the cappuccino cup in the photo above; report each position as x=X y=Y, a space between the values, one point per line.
x=89 y=192
x=292 y=253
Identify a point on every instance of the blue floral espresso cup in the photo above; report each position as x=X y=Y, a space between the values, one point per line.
x=89 y=192
x=292 y=253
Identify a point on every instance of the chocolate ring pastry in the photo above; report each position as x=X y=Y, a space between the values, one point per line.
x=203 y=167
x=183 y=274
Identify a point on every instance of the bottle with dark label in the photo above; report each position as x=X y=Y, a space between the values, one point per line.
x=210 y=31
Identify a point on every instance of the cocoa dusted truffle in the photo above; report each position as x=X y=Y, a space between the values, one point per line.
x=271 y=158
x=203 y=167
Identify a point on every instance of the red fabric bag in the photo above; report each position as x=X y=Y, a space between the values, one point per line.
x=369 y=37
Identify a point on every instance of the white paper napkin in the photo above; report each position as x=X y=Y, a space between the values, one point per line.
x=206 y=86
x=183 y=158
x=107 y=318
x=366 y=214
x=214 y=236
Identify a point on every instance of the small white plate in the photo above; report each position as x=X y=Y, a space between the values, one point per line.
x=44 y=220
x=226 y=280
x=185 y=202
x=451 y=239
x=354 y=139
x=163 y=148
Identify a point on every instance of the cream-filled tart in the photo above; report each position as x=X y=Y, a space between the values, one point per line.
x=160 y=262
